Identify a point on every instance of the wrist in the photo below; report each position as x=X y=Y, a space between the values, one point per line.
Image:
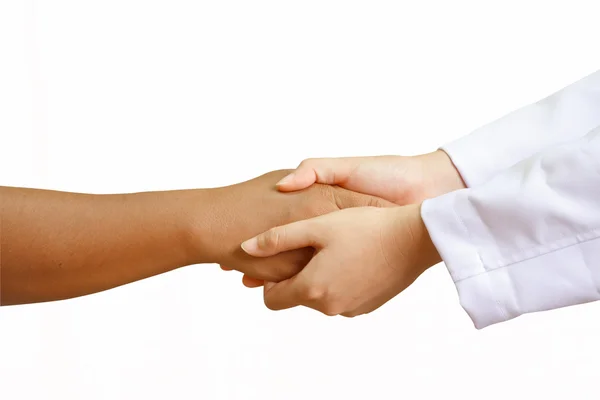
x=164 y=226
x=200 y=224
x=426 y=254
x=185 y=221
x=440 y=175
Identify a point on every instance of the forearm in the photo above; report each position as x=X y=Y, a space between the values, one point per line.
x=57 y=245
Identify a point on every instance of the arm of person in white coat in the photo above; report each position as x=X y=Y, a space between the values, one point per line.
x=529 y=239
x=470 y=161
x=564 y=116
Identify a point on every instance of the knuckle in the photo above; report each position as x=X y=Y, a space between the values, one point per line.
x=315 y=293
x=271 y=239
x=319 y=297
x=375 y=202
x=308 y=162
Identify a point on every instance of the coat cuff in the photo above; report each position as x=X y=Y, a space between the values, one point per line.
x=492 y=293
x=451 y=238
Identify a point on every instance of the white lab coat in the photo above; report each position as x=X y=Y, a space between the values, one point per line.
x=525 y=235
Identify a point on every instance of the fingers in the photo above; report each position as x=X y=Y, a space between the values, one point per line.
x=305 y=289
x=273 y=269
x=282 y=295
x=293 y=236
x=299 y=291
x=248 y=281
x=330 y=171
x=252 y=282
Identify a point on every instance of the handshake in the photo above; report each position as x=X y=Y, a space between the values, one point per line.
x=342 y=236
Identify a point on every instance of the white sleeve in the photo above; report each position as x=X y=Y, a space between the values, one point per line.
x=529 y=239
x=562 y=117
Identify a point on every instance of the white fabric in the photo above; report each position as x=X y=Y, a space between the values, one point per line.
x=525 y=237
x=566 y=115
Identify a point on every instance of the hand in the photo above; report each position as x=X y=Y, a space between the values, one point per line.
x=251 y=207
x=363 y=258
x=401 y=180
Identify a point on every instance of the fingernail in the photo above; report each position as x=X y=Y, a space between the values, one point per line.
x=285 y=180
x=250 y=245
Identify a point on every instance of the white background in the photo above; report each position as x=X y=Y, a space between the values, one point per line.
x=124 y=95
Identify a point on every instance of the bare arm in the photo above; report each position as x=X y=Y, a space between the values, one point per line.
x=58 y=245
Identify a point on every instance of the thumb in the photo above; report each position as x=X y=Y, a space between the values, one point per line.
x=329 y=171
x=276 y=240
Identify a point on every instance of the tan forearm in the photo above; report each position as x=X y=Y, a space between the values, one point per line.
x=57 y=245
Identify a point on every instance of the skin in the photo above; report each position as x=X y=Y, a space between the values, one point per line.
x=398 y=179
x=57 y=245
x=363 y=258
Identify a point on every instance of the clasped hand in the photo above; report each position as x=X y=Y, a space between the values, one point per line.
x=363 y=256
